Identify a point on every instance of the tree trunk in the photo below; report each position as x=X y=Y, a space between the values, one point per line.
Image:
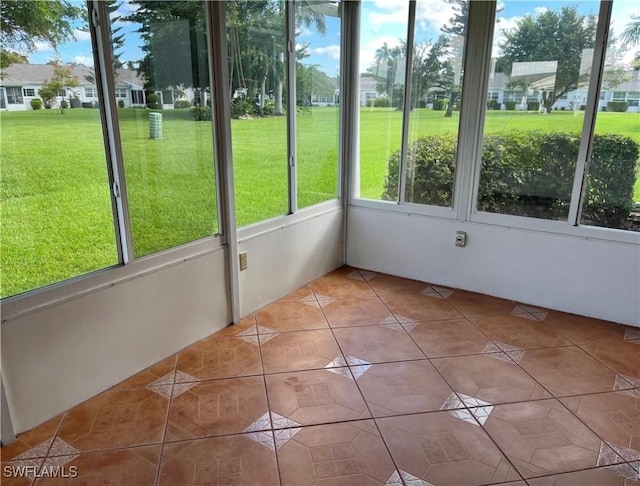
x=263 y=89
x=279 y=87
x=452 y=99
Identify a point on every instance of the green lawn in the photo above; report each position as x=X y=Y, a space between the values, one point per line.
x=56 y=215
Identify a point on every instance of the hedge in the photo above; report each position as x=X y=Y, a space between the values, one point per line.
x=526 y=174
x=618 y=106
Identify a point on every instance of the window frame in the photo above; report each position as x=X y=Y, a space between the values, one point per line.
x=478 y=42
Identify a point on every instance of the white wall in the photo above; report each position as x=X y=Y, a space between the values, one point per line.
x=57 y=357
x=573 y=274
x=283 y=258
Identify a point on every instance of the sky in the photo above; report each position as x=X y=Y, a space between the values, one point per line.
x=381 y=21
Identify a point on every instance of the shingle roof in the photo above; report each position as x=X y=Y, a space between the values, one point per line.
x=24 y=74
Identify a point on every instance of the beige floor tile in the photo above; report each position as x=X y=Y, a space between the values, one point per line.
x=297 y=351
x=376 y=344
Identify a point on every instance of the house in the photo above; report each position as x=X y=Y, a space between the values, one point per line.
x=20 y=83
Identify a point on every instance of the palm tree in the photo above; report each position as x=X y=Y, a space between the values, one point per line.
x=631 y=34
x=383 y=54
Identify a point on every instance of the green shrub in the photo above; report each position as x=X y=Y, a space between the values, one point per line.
x=510 y=105
x=533 y=105
x=526 y=174
x=152 y=102
x=201 y=113
x=440 y=104
x=121 y=103
x=382 y=102
x=182 y=104
x=36 y=104
x=242 y=107
x=618 y=106
x=493 y=105
x=87 y=104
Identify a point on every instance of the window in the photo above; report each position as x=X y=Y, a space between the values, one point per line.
x=317 y=112
x=613 y=182
x=29 y=92
x=168 y=155
x=257 y=67
x=57 y=219
x=382 y=74
x=90 y=92
x=433 y=132
x=137 y=97
x=14 y=96
x=529 y=159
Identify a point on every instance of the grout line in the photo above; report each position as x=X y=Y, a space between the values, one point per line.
x=166 y=421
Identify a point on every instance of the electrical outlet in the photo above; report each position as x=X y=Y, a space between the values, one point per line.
x=461 y=238
x=243 y=261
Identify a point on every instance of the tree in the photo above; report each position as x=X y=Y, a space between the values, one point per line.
x=23 y=24
x=631 y=34
x=560 y=36
x=7 y=58
x=62 y=79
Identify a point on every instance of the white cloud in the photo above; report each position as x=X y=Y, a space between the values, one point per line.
x=85 y=60
x=43 y=47
x=540 y=10
x=503 y=24
x=332 y=51
x=82 y=35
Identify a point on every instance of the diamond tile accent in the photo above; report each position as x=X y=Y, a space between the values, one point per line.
x=491 y=348
x=406 y=320
x=30 y=466
x=246 y=332
x=311 y=303
x=446 y=293
x=430 y=291
x=263 y=423
x=355 y=275
x=263 y=438
x=625 y=470
x=630 y=334
x=58 y=461
x=358 y=367
x=367 y=275
x=324 y=300
x=625 y=452
x=622 y=384
x=411 y=480
x=265 y=330
x=180 y=388
x=280 y=422
x=61 y=448
x=38 y=451
x=607 y=456
x=514 y=352
x=394 y=326
x=263 y=338
x=389 y=320
x=409 y=326
x=164 y=386
x=162 y=390
x=394 y=479
x=342 y=372
x=283 y=436
x=464 y=415
x=251 y=338
x=481 y=409
x=519 y=310
x=452 y=402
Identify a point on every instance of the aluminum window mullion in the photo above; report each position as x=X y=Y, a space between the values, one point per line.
x=221 y=109
x=477 y=62
x=350 y=101
x=292 y=157
x=591 y=109
x=99 y=23
x=406 y=103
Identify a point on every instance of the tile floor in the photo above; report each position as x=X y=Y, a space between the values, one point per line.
x=365 y=379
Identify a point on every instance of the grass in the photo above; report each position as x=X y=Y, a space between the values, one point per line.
x=56 y=213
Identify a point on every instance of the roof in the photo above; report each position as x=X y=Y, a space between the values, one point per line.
x=25 y=74
x=500 y=81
